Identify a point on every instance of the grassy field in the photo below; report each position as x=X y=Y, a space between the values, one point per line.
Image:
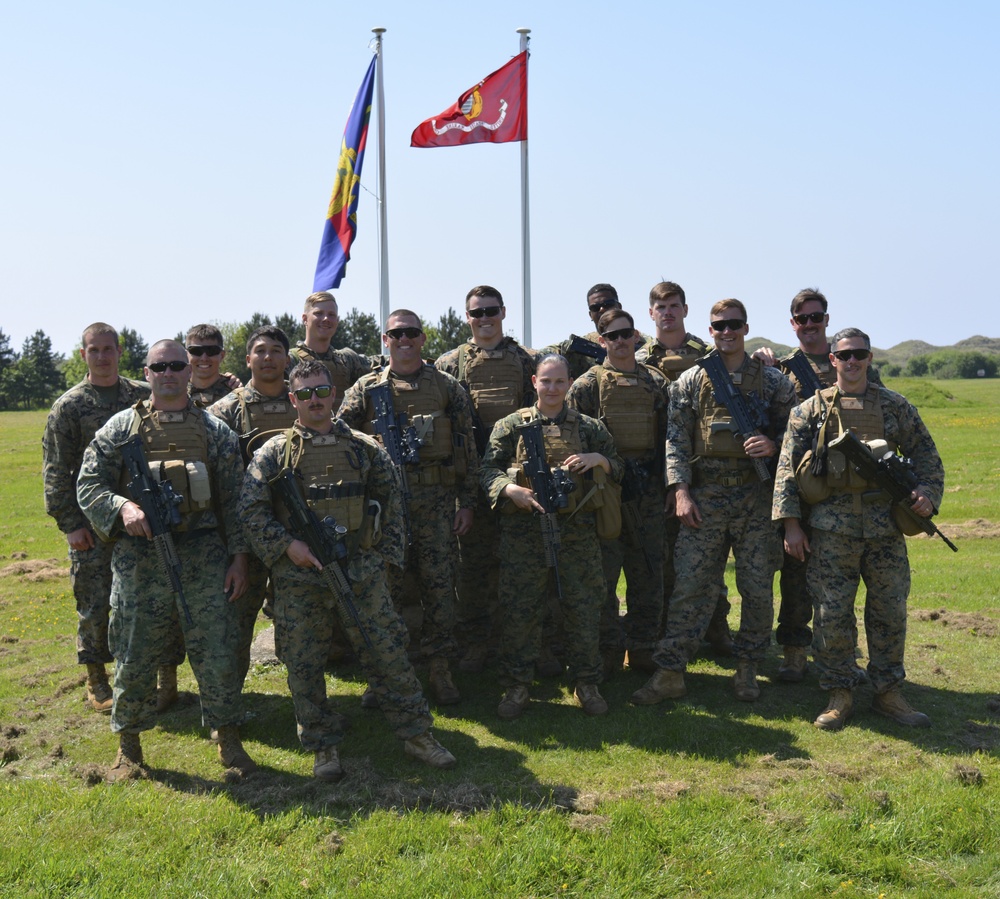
x=705 y=797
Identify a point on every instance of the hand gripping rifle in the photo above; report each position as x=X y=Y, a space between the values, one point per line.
x=399 y=441
x=159 y=503
x=633 y=486
x=747 y=412
x=798 y=365
x=551 y=489
x=893 y=475
x=325 y=540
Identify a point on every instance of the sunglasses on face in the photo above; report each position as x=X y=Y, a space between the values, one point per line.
x=161 y=367
x=212 y=349
x=488 y=311
x=620 y=334
x=398 y=333
x=303 y=393
x=805 y=317
x=844 y=355
x=604 y=304
x=733 y=324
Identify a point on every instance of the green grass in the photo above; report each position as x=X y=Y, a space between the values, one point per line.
x=706 y=797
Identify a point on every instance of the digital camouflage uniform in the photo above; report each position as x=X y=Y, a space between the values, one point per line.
x=445 y=479
x=344 y=364
x=855 y=538
x=203 y=397
x=499 y=382
x=305 y=608
x=734 y=505
x=524 y=576
x=633 y=407
x=75 y=417
x=145 y=612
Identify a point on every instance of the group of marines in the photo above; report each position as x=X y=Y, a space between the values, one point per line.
x=633 y=427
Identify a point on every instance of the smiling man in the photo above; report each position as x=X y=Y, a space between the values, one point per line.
x=206 y=353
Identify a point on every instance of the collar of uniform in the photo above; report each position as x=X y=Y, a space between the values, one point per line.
x=558 y=420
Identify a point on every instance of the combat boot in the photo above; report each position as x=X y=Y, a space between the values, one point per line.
x=442 y=686
x=590 y=699
x=514 y=702
x=166 y=687
x=665 y=684
x=99 y=693
x=128 y=763
x=718 y=636
x=745 y=685
x=794 y=666
x=231 y=751
x=892 y=704
x=424 y=748
x=839 y=709
x=474 y=660
x=327 y=764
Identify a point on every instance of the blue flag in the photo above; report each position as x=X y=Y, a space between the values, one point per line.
x=342 y=217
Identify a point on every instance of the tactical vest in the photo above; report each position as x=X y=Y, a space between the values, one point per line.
x=720 y=442
x=334 y=362
x=628 y=408
x=868 y=425
x=561 y=442
x=495 y=380
x=269 y=415
x=671 y=363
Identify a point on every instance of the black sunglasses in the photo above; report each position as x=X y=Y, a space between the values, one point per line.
x=733 y=324
x=620 y=334
x=211 y=349
x=488 y=311
x=844 y=355
x=604 y=304
x=397 y=333
x=161 y=367
x=303 y=393
x=804 y=317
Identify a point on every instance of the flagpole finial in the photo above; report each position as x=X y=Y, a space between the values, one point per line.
x=378 y=31
x=524 y=31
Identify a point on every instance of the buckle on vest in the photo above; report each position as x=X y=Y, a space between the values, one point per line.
x=730 y=480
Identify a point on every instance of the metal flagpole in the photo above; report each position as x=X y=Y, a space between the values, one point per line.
x=383 y=259
x=525 y=233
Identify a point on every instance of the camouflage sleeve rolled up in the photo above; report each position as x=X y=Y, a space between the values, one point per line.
x=584 y=393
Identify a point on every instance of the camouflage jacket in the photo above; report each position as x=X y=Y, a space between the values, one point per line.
x=100 y=479
x=230 y=410
x=356 y=364
x=74 y=420
x=903 y=426
x=449 y=363
x=651 y=353
x=203 y=397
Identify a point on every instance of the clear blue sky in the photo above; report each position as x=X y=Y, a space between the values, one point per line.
x=165 y=164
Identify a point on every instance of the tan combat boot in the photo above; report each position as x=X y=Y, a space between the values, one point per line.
x=514 y=702
x=590 y=699
x=794 y=666
x=231 y=751
x=424 y=748
x=166 y=687
x=327 y=764
x=128 y=762
x=442 y=686
x=745 y=685
x=840 y=708
x=892 y=704
x=665 y=684
x=99 y=693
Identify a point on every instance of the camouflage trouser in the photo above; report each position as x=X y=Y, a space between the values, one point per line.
x=431 y=559
x=671 y=530
x=304 y=615
x=640 y=628
x=145 y=613
x=737 y=518
x=477 y=615
x=837 y=563
x=524 y=581
x=796 y=609
x=90 y=575
x=246 y=609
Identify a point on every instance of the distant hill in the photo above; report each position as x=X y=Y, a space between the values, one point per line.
x=901 y=352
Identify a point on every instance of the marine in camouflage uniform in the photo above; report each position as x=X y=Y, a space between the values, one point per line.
x=350 y=478
x=578 y=444
x=443 y=485
x=206 y=351
x=723 y=504
x=631 y=401
x=496 y=372
x=74 y=419
x=200 y=455
x=853 y=533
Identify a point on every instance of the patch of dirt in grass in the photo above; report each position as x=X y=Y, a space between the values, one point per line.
x=976 y=624
x=974 y=529
x=659 y=792
x=969 y=775
x=35 y=570
x=71 y=684
x=590 y=823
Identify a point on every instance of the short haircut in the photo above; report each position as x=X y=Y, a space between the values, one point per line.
x=96 y=330
x=321 y=296
x=204 y=334
x=722 y=305
x=608 y=317
x=848 y=334
x=666 y=289
x=485 y=291
x=603 y=288
x=552 y=357
x=309 y=368
x=267 y=332
x=404 y=313
x=810 y=294
x=166 y=342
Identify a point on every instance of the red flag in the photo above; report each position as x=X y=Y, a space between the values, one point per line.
x=495 y=110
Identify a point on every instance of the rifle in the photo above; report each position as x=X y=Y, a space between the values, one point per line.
x=587 y=348
x=893 y=475
x=748 y=412
x=399 y=440
x=159 y=503
x=633 y=486
x=798 y=365
x=551 y=489
x=325 y=540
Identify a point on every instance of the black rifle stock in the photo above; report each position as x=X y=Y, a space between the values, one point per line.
x=748 y=412
x=892 y=474
x=399 y=440
x=809 y=382
x=587 y=348
x=159 y=504
x=319 y=537
x=551 y=489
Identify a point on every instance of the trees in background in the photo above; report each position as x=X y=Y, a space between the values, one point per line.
x=31 y=378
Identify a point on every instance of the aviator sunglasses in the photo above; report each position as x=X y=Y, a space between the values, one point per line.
x=620 y=334
x=844 y=355
x=805 y=317
x=397 y=333
x=303 y=393
x=488 y=311
x=211 y=349
x=733 y=324
x=161 y=367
